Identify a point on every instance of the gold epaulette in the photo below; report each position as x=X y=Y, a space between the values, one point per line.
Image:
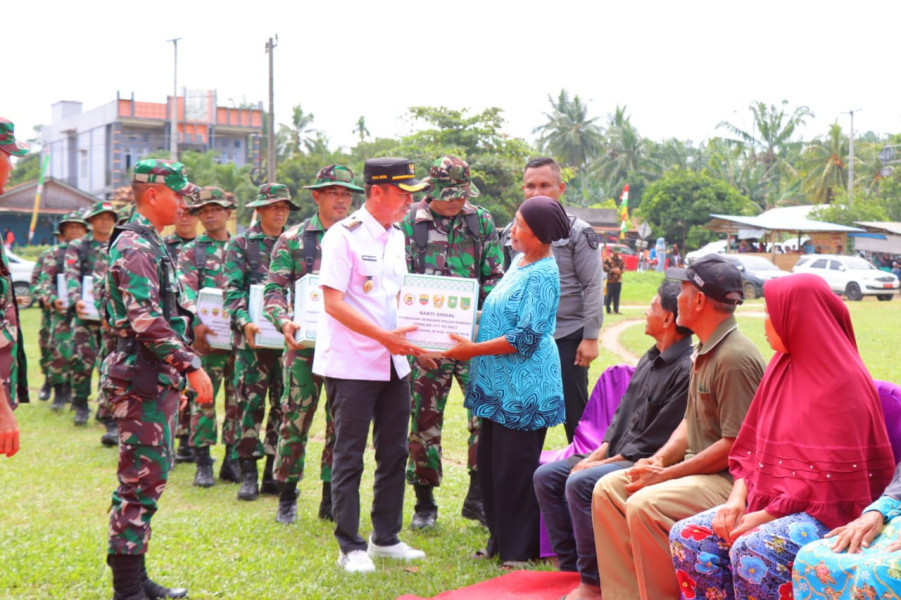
x=351 y=223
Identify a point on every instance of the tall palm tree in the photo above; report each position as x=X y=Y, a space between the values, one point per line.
x=569 y=133
x=291 y=138
x=360 y=129
x=627 y=156
x=824 y=163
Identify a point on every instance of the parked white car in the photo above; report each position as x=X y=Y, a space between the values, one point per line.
x=21 y=271
x=717 y=247
x=849 y=275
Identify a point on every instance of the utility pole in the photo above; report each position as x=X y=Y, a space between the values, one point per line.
x=851 y=160
x=173 y=131
x=270 y=46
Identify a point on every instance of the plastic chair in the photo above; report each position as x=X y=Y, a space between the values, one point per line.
x=589 y=434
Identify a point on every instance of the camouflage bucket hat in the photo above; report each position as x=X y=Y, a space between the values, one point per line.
x=271 y=193
x=450 y=179
x=168 y=172
x=338 y=175
x=210 y=195
x=8 y=141
x=101 y=207
x=72 y=217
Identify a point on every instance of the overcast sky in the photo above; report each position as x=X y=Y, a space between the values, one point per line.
x=679 y=67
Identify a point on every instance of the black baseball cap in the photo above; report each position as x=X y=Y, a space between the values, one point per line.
x=396 y=171
x=715 y=276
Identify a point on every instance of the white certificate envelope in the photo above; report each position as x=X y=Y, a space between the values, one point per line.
x=268 y=337
x=62 y=291
x=438 y=306
x=211 y=311
x=87 y=295
x=307 y=308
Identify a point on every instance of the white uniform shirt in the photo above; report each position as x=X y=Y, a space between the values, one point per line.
x=356 y=251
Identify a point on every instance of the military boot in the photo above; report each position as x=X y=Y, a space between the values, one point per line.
x=127 y=582
x=269 y=485
x=111 y=437
x=325 y=505
x=185 y=453
x=82 y=411
x=153 y=590
x=426 y=510
x=472 y=504
x=287 y=503
x=60 y=397
x=204 y=476
x=44 y=394
x=229 y=470
x=249 y=490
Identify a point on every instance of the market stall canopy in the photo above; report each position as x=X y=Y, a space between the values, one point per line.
x=793 y=219
x=881 y=236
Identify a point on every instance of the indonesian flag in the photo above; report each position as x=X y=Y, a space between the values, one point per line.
x=624 y=212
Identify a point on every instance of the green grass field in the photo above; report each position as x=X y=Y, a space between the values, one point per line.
x=54 y=496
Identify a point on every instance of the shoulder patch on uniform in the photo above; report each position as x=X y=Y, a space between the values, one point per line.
x=591 y=237
x=352 y=223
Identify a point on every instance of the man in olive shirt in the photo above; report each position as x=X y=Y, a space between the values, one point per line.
x=634 y=509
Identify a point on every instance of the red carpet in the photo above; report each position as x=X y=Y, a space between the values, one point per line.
x=523 y=585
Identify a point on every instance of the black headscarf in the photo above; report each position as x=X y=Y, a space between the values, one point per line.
x=546 y=218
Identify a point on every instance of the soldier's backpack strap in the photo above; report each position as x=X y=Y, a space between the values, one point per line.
x=421 y=239
x=60 y=257
x=257 y=275
x=83 y=250
x=199 y=259
x=309 y=247
x=472 y=222
x=172 y=248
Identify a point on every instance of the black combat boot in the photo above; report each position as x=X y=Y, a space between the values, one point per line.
x=153 y=590
x=229 y=470
x=325 y=505
x=82 y=411
x=61 y=397
x=44 y=394
x=111 y=437
x=185 y=452
x=472 y=504
x=249 y=490
x=269 y=485
x=426 y=510
x=287 y=503
x=127 y=583
x=204 y=476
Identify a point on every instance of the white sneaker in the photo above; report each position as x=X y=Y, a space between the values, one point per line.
x=399 y=550
x=356 y=561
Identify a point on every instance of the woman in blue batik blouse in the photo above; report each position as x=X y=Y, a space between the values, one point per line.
x=514 y=380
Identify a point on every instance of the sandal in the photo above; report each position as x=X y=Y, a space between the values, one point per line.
x=480 y=554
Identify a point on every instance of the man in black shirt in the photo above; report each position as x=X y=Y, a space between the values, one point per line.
x=651 y=408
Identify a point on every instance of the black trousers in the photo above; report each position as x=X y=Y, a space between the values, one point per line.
x=507 y=459
x=575 y=381
x=355 y=404
x=613 y=290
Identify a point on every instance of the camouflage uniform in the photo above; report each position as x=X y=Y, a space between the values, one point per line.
x=44 y=333
x=451 y=251
x=80 y=258
x=174 y=244
x=219 y=364
x=107 y=336
x=151 y=336
x=13 y=375
x=60 y=326
x=256 y=371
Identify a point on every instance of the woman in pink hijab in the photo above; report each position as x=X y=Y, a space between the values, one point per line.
x=811 y=454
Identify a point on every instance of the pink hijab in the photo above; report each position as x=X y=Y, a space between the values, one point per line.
x=814 y=439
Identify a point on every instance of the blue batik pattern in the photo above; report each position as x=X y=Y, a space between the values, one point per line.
x=522 y=390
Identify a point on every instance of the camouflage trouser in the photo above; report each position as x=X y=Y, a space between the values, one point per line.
x=61 y=348
x=300 y=398
x=85 y=347
x=44 y=341
x=107 y=345
x=430 y=391
x=256 y=372
x=220 y=366
x=144 y=444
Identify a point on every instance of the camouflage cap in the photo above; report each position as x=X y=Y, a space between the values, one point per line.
x=101 y=207
x=271 y=193
x=72 y=217
x=210 y=195
x=168 y=172
x=450 y=179
x=8 y=141
x=338 y=175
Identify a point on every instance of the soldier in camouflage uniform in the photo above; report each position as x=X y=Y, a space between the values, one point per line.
x=110 y=437
x=296 y=254
x=143 y=376
x=446 y=235
x=185 y=231
x=201 y=265
x=256 y=370
x=81 y=256
x=72 y=227
x=13 y=375
x=44 y=340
